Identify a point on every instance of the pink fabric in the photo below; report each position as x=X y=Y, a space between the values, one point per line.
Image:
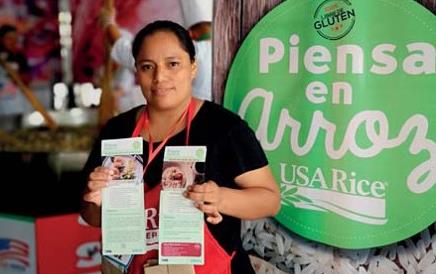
x=88 y=50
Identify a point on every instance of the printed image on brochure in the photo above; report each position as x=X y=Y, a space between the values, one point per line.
x=126 y=168
x=180 y=175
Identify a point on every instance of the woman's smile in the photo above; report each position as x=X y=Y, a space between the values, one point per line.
x=162 y=91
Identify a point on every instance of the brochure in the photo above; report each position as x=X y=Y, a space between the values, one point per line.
x=123 y=215
x=181 y=225
x=120 y=262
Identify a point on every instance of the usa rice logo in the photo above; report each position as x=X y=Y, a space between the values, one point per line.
x=14 y=254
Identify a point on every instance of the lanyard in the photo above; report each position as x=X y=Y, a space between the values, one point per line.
x=144 y=123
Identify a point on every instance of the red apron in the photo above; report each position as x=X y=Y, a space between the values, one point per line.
x=217 y=261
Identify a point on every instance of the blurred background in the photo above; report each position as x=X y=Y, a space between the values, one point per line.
x=67 y=88
x=59 y=84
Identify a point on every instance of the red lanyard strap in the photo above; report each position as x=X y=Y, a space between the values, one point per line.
x=144 y=123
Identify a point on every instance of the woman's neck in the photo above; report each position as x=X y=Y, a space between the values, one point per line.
x=164 y=122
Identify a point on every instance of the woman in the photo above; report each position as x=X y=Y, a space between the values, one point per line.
x=12 y=101
x=239 y=183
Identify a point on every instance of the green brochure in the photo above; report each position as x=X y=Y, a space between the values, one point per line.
x=181 y=225
x=123 y=215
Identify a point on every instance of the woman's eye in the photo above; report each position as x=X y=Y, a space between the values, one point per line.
x=146 y=67
x=174 y=64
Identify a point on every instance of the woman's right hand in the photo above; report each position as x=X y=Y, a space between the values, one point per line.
x=98 y=179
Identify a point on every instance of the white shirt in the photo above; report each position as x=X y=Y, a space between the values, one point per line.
x=12 y=101
x=202 y=85
x=124 y=77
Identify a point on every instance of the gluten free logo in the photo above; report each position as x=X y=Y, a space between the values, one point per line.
x=334 y=19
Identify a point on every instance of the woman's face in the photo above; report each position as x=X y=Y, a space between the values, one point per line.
x=164 y=71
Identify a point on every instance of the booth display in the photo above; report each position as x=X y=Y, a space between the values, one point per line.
x=57 y=244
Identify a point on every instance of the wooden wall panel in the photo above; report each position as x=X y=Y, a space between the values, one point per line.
x=226 y=41
x=429 y=4
x=233 y=19
x=253 y=11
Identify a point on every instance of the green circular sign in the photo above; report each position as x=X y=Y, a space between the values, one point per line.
x=341 y=95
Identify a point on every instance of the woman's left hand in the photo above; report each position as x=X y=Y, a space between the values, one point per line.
x=207 y=198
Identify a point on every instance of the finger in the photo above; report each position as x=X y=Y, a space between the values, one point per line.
x=207 y=198
x=97 y=175
x=211 y=192
x=209 y=186
x=93 y=197
x=215 y=218
x=207 y=208
x=196 y=197
x=195 y=188
x=90 y=195
x=101 y=169
x=97 y=185
x=210 y=198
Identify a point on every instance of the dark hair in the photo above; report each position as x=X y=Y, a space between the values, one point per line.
x=6 y=29
x=180 y=32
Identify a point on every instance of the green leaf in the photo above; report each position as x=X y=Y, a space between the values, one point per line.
x=304 y=199
x=290 y=191
x=289 y=203
x=291 y=199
